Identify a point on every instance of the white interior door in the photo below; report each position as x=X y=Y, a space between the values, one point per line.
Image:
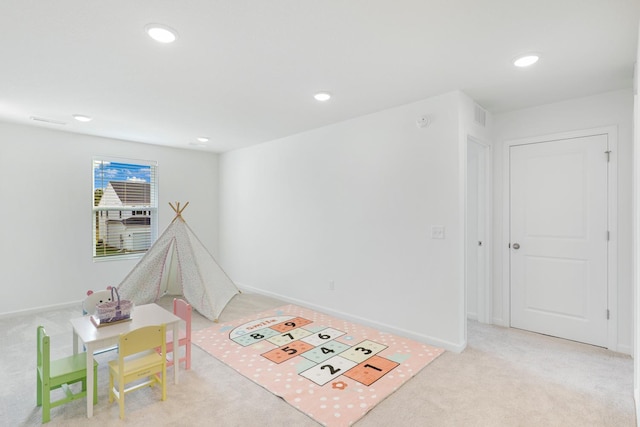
x=558 y=238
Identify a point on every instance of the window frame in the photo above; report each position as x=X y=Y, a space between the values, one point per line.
x=151 y=209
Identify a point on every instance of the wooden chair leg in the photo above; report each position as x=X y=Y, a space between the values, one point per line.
x=46 y=403
x=121 y=401
x=39 y=390
x=164 y=384
x=187 y=363
x=121 y=393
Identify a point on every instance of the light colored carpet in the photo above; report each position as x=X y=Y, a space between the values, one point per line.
x=505 y=377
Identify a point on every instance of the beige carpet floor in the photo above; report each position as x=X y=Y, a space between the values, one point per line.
x=506 y=377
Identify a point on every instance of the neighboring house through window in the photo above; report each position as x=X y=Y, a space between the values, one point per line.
x=125 y=207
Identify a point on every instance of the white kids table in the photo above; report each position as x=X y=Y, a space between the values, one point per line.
x=95 y=338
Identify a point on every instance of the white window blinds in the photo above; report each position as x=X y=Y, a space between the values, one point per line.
x=125 y=207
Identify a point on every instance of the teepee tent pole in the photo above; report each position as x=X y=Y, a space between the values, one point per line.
x=177 y=210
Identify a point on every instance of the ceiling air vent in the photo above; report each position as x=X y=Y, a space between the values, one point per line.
x=42 y=119
x=480 y=116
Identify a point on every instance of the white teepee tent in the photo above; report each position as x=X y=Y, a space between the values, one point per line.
x=179 y=264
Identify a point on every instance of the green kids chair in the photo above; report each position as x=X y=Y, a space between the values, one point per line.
x=60 y=373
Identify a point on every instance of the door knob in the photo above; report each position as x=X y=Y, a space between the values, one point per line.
x=516 y=246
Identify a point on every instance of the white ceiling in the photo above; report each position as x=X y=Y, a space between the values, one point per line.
x=244 y=72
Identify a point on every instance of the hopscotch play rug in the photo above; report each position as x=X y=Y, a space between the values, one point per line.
x=332 y=370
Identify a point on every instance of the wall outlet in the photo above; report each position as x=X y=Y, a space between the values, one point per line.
x=437 y=231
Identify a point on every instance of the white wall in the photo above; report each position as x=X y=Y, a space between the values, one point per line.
x=45 y=220
x=613 y=108
x=354 y=203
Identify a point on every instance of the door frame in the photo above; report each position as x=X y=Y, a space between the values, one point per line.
x=485 y=288
x=612 y=221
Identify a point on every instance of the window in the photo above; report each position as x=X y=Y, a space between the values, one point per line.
x=125 y=207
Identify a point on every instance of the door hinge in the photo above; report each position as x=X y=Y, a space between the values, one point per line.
x=608 y=235
x=608 y=153
x=608 y=314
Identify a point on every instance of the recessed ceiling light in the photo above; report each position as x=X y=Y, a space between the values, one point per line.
x=82 y=118
x=202 y=139
x=161 y=33
x=526 y=60
x=322 y=96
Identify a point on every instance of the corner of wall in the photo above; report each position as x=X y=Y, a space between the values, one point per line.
x=636 y=230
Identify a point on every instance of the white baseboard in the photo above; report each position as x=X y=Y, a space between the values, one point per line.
x=499 y=322
x=624 y=349
x=41 y=309
x=456 y=348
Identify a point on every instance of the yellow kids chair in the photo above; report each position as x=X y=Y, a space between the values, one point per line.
x=137 y=359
